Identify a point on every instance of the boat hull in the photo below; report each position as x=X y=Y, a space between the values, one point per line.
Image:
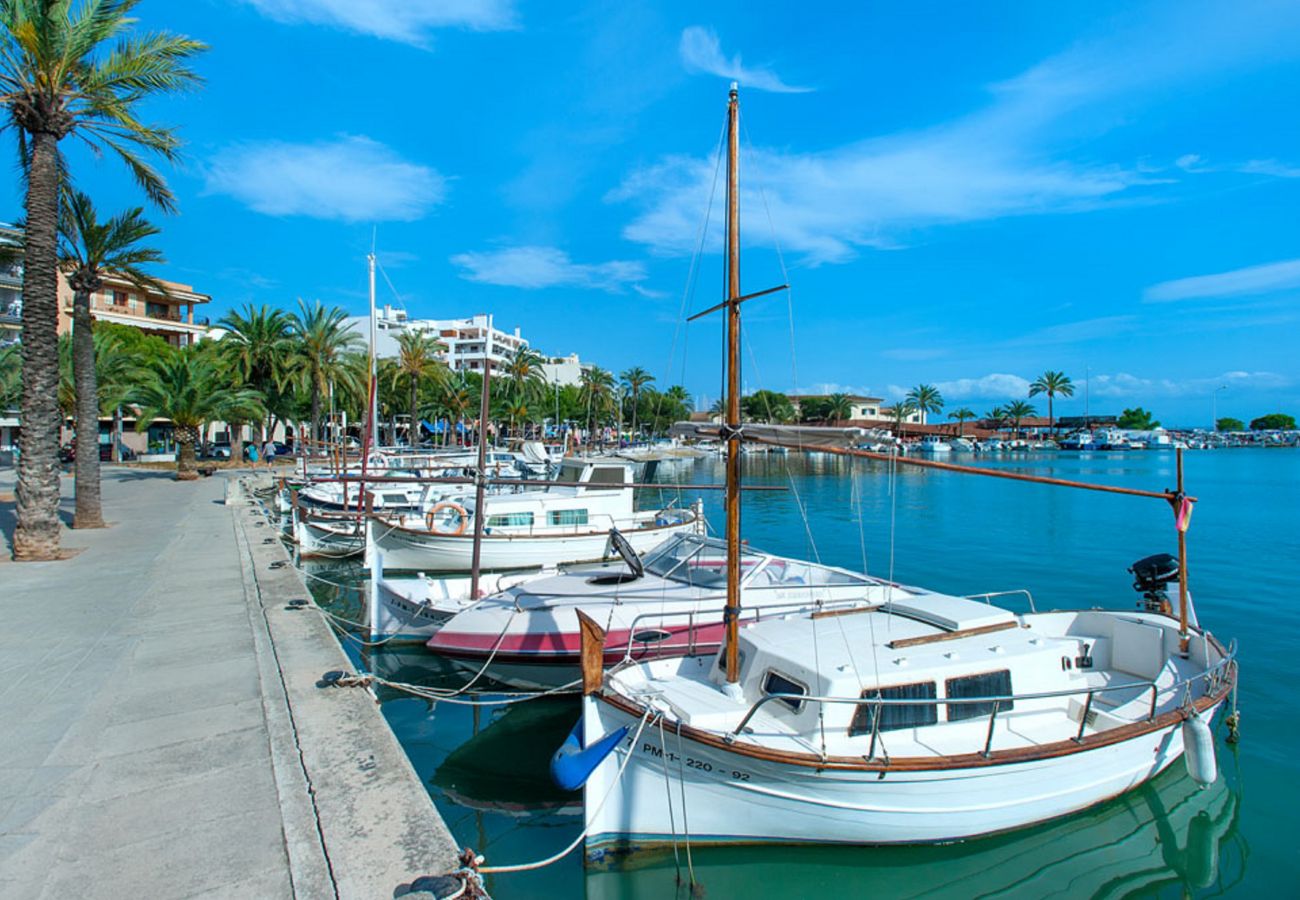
x=794 y=804
x=422 y=551
x=338 y=539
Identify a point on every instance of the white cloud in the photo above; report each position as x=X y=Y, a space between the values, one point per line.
x=546 y=267
x=1263 y=279
x=702 y=52
x=990 y=386
x=1125 y=385
x=1016 y=155
x=407 y=21
x=350 y=178
x=1270 y=167
x=1082 y=330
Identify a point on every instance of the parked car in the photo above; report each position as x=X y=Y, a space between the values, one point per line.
x=216 y=450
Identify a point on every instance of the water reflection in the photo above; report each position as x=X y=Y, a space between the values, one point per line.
x=1165 y=837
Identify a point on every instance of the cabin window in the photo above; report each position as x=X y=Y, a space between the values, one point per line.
x=568 y=516
x=606 y=475
x=398 y=499
x=776 y=683
x=894 y=716
x=990 y=684
x=511 y=520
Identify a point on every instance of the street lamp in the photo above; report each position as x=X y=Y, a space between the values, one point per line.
x=1214 y=407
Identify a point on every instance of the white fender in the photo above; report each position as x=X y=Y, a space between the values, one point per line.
x=1198 y=750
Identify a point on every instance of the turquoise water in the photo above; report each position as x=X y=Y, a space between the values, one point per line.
x=486 y=768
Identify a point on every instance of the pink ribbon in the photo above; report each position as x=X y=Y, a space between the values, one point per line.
x=1183 y=518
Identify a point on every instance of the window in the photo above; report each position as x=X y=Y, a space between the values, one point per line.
x=119 y=298
x=511 y=520
x=990 y=684
x=568 y=517
x=894 y=716
x=776 y=683
x=607 y=475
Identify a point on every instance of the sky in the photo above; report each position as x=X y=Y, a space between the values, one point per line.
x=963 y=195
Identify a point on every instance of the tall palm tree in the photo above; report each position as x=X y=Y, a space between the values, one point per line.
x=634 y=379
x=899 y=414
x=1017 y=411
x=90 y=249
x=188 y=387
x=257 y=349
x=525 y=375
x=961 y=416
x=838 y=407
x=925 y=398
x=1052 y=383
x=56 y=80
x=597 y=391
x=456 y=399
x=418 y=361
x=322 y=342
x=11 y=381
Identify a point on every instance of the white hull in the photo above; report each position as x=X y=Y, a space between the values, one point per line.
x=792 y=804
x=410 y=609
x=423 y=551
x=336 y=539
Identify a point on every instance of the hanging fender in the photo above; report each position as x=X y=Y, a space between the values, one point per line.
x=572 y=764
x=1198 y=750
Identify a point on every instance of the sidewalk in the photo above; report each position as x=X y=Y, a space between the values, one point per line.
x=162 y=733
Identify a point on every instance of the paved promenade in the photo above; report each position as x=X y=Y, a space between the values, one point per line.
x=162 y=733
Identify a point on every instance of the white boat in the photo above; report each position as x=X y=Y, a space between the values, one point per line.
x=529 y=635
x=921 y=718
x=938 y=719
x=933 y=444
x=963 y=445
x=532 y=529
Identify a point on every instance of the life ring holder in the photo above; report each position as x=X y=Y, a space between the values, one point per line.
x=431 y=517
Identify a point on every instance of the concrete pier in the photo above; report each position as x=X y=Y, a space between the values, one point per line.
x=163 y=735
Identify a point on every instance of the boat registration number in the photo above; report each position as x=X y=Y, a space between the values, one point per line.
x=699 y=765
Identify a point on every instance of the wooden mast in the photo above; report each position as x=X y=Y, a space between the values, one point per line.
x=732 y=615
x=480 y=476
x=1181 y=525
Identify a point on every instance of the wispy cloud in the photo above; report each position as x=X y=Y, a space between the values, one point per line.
x=1125 y=385
x=996 y=385
x=405 y=21
x=701 y=51
x=1082 y=330
x=1263 y=279
x=1195 y=164
x=547 y=267
x=1015 y=155
x=350 y=178
x=1270 y=167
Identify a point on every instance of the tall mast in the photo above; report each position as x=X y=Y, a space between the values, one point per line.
x=374 y=363
x=480 y=476
x=732 y=427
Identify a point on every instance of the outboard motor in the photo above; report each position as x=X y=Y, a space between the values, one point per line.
x=1151 y=577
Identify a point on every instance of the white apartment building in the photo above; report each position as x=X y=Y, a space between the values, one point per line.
x=472 y=343
x=564 y=370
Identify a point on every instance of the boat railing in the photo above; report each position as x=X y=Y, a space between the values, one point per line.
x=988 y=597
x=755 y=614
x=1209 y=675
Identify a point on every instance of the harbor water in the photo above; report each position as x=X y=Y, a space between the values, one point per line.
x=486 y=767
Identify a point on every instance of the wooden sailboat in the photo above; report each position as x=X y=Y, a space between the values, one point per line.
x=925 y=718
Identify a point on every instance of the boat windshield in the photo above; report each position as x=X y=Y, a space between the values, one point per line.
x=697 y=561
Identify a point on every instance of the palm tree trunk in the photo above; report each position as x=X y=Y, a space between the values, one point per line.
x=315 y=416
x=413 y=437
x=36 y=533
x=186 y=470
x=634 y=405
x=89 y=512
x=1051 y=419
x=117 y=434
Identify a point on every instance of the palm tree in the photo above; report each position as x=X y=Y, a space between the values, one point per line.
x=961 y=416
x=634 y=379
x=525 y=375
x=456 y=399
x=11 y=383
x=597 y=391
x=997 y=415
x=839 y=407
x=323 y=341
x=417 y=360
x=188 y=388
x=256 y=349
x=89 y=250
x=902 y=409
x=1017 y=411
x=56 y=80
x=925 y=398
x=1052 y=383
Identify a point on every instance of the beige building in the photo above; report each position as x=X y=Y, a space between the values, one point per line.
x=170 y=316
x=864 y=409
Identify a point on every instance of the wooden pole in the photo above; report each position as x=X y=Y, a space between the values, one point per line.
x=732 y=616
x=1182 y=557
x=480 y=477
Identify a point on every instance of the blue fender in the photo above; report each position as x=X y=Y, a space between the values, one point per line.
x=572 y=764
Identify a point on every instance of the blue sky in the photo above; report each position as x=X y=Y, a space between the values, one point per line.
x=962 y=194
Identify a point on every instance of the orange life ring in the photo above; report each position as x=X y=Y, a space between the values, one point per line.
x=432 y=516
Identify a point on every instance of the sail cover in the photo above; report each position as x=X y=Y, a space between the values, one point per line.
x=793 y=436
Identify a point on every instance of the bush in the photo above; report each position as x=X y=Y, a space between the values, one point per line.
x=1273 y=422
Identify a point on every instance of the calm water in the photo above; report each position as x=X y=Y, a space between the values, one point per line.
x=486 y=768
